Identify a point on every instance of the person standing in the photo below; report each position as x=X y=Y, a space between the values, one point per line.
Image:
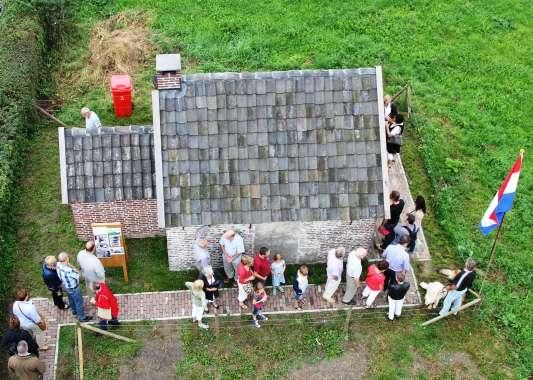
x=198 y=302
x=300 y=285
x=397 y=291
x=458 y=287
x=202 y=257
x=245 y=277
x=353 y=274
x=398 y=259
x=91 y=267
x=25 y=366
x=259 y=299
x=70 y=278
x=262 y=265
x=92 y=121
x=30 y=319
x=14 y=335
x=52 y=281
x=394 y=133
x=375 y=282
x=390 y=109
x=106 y=306
x=211 y=286
x=232 y=247
x=334 y=272
x=278 y=274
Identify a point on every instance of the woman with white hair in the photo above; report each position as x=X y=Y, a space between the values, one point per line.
x=353 y=274
x=92 y=121
x=211 y=286
x=334 y=272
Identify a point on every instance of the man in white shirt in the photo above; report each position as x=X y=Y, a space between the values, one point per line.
x=232 y=247
x=353 y=274
x=92 y=121
x=334 y=272
x=201 y=254
x=30 y=319
x=91 y=267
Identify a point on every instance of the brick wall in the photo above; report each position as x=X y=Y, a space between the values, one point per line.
x=138 y=217
x=306 y=242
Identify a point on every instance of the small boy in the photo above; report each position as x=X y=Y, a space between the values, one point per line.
x=300 y=284
x=259 y=300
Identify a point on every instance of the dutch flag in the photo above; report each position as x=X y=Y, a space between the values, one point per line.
x=503 y=200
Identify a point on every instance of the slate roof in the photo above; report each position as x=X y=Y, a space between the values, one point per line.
x=117 y=164
x=271 y=146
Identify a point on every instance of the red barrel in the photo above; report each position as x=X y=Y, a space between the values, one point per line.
x=121 y=91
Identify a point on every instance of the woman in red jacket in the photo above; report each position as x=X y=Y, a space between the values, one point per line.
x=106 y=306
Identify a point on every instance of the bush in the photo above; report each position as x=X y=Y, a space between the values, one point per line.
x=21 y=57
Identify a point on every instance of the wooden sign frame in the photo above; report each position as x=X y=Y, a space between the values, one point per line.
x=118 y=260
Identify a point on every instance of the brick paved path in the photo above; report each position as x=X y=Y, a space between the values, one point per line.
x=398 y=181
x=177 y=305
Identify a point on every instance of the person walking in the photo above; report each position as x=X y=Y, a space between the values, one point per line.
x=14 y=335
x=353 y=274
x=232 y=247
x=198 y=302
x=52 y=281
x=30 y=319
x=334 y=272
x=92 y=121
x=397 y=291
x=211 y=286
x=375 y=282
x=202 y=258
x=458 y=287
x=262 y=265
x=106 y=306
x=258 y=301
x=245 y=277
x=91 y=267
x=70 y=278
x=24 y=365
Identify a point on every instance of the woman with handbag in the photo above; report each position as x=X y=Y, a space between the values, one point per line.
x=30 y=319
x=211 y=286
x=106 y=306
x=394 y=133
x=244 y=282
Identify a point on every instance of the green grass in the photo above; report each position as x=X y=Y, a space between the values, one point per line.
x=285 y=343
x=468 y=63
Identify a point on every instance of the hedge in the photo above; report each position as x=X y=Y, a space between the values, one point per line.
x=21 y=60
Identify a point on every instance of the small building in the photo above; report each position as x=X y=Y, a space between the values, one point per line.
x=294 y=160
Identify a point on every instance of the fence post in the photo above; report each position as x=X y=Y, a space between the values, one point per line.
x=80 y=350
x=347 y=323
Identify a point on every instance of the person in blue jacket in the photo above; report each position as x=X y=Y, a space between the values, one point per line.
x=52 y=281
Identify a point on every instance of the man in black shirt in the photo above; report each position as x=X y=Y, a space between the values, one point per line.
x=397 y=291
x=458 y=287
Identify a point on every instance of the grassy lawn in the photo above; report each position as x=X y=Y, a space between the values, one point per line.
x=286 y=345
x=470 y=68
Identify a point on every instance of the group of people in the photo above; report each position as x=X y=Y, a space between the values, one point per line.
x=393 y=128
x=26 y=333
x=249 y=274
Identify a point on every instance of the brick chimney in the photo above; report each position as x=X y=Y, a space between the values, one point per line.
x=168 y=71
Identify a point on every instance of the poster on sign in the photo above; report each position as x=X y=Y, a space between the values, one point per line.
x=108 y=240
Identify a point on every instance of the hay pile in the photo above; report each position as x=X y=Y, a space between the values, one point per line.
x=119 y=44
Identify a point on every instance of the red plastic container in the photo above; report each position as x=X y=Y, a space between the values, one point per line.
x=121 y=91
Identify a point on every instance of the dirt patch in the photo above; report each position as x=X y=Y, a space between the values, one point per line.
x=158 y=357
x=455 y=365
x=351 y=365
x=119 y=44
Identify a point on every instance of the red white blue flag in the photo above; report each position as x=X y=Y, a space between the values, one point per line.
x=503 y=200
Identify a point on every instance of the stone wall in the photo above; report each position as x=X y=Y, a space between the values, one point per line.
x=180 y=240
x=138 y=217
x=299 y=242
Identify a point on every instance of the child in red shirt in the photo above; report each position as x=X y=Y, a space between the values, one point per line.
x=375 y=280
x=259 y=300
